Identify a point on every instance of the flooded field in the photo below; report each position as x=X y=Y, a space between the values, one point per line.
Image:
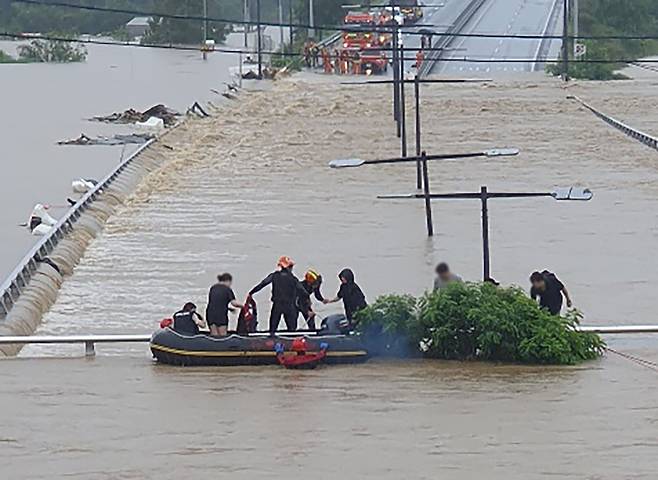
x=251 y=184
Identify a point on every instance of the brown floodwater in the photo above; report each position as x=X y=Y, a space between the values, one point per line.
x=251 y=184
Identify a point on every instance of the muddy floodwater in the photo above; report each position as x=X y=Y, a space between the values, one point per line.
x=251 y=184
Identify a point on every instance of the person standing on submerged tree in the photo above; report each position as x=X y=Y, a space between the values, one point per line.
x=550 y=290
x=220 y=299
x=311 y=285
x=351 y=295
x=444 y=276
x=285 y=289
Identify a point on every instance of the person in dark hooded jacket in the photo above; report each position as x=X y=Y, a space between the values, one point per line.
x=350 y=293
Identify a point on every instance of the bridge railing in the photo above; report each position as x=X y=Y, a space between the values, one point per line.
x=16 y=282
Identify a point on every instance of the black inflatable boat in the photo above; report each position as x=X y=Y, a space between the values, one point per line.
x=173 y=348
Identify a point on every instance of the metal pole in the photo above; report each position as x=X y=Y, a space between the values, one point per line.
x=260 y=45
x=484 y=195
x=419 y=178
x=565 y=42
x=575 y=14
x=205 y=20
x=396 y=79
x=311 y=19
x=428 y=200
x=283 y=39
x=205 y=29
x=403 y=111
x=290 y=19
x=245 y=15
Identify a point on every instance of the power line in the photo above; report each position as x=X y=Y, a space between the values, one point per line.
x=379 y=29
x=113 y=43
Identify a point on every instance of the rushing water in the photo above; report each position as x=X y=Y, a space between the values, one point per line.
x=251 y=184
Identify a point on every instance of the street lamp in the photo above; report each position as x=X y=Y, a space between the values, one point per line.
x=560 y=194
x=422 y=160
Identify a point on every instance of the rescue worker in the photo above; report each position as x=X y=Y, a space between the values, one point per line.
x=220 y=299
x=315 y=50
x=307 y=54
x=335 y=60
x=326 y=61
x=420 y=58
x=285 y=288
x=311 y=286
x=356 y=63
x=550 y=290
x=187 y=321
x=351 y=295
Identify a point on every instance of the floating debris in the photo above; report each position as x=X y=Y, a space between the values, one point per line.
x=169 y=117
x=133 y=138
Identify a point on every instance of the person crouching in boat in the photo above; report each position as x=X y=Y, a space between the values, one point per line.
x=351 y=295
x=285 y=288
x=220 y=299
x=311 y=286
x=187 y=321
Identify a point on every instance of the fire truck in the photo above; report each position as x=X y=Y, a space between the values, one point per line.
x=361 y=38
x=411 y=10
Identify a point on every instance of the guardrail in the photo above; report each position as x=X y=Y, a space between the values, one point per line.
x=545 y=44
x=645 y=138
x=444 y=41
x=13 y=286
x=91 y=340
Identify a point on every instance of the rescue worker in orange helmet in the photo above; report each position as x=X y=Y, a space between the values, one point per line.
x=311 y=286
x=285 y=289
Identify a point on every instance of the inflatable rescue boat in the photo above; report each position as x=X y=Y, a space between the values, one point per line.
x=172 y=348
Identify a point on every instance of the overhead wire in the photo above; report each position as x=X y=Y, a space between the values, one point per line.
x=407 y=30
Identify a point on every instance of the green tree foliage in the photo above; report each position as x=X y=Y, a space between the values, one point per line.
x=477 y=322
x=613 y=17
x=52 y=51
x=168 y=30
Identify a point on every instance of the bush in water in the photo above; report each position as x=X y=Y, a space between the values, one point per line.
x=479 y=322
x=390 y=325
x=52 y=51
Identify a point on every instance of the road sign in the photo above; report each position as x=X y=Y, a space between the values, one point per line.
x=579 y=50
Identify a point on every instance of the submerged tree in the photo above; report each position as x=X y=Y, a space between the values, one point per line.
x=52 y=51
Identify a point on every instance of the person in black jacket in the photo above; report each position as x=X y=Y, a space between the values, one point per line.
x=285 y=289
x=311 y=286
x=220 y=299
x=351 y=295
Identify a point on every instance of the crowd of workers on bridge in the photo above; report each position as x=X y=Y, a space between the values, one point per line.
x=292 y=297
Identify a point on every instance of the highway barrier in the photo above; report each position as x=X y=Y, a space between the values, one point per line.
x=32 y=287
x=444 y=41
x=645 y=138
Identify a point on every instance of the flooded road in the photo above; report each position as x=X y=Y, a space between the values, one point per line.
x=124 y=418
x=252 y=183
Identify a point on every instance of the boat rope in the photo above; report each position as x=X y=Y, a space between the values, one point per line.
x=640 y=361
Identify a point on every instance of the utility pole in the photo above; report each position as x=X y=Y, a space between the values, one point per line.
x=260 y=45
x=245 y=15
x=290 y=18
x=575 y=13
x=283 y=39
x=311 y=19
x=565 y=42
x=205 y=21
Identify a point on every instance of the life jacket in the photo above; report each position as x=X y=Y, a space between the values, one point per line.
x=184 y=323
x=302 y=359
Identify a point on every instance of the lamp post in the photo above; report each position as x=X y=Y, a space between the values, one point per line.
x=560 y=194
x=259 y=41
x=423 y=159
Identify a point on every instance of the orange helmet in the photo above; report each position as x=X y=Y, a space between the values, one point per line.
x=311 y=276
x=285 y=262
x=299 y=345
